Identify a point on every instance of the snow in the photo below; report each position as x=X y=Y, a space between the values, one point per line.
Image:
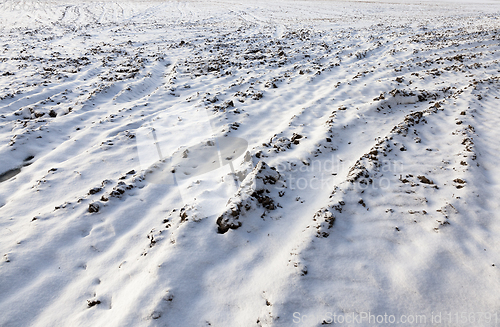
x=224 y=163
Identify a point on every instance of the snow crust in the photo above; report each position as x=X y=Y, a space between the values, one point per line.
x=234 y=163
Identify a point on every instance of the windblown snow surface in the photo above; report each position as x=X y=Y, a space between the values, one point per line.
x=270 y=163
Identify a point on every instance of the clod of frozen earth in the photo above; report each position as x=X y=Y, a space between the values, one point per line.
x=255 y=190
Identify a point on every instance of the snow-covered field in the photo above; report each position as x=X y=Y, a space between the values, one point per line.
x=263 y=163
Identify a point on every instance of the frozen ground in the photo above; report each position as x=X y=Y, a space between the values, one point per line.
x=222 y=163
